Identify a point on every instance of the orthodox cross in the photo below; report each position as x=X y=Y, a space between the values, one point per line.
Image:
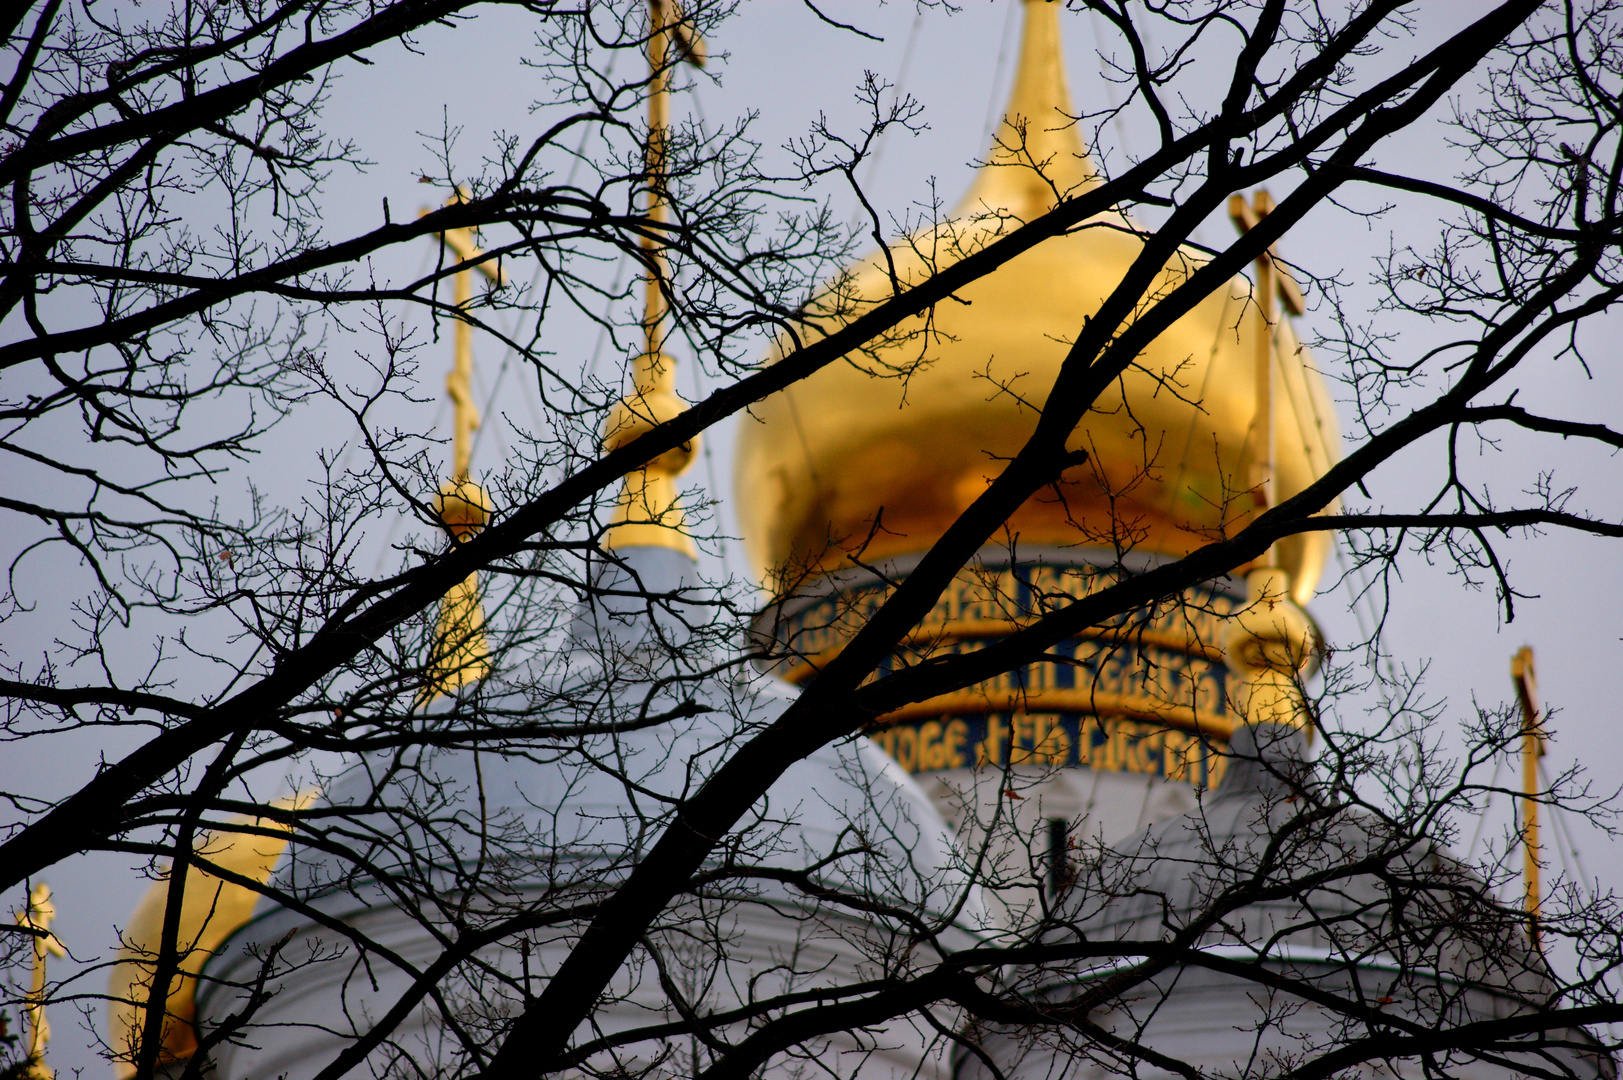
x=1269 y=690
x=1274 y=284
x=459 y=382
x=667 y=26
x=38 y=916
x=1526 y=682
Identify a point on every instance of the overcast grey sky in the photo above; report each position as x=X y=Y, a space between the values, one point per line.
x=782 y=63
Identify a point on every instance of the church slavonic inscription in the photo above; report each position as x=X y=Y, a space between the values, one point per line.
x=1145 y=694
x=1106 y=744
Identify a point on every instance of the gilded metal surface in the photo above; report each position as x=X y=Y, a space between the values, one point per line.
x=647 y=512
x=459 y=381
x=461 y=652
x=915 y=428
x=211 y=910
x=1525 y=679
x=38 y=915
x=1268 y=645
x=929 y=640
x=461 y=655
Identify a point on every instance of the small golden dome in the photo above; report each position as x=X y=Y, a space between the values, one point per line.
x=831 y=453
x=211 y=910
x=463 y=508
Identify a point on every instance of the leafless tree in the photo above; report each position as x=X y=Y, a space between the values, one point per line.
x=577 y=862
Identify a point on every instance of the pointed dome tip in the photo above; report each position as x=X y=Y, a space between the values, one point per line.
x=1037 y=154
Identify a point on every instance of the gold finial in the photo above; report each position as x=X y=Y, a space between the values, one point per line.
x=1037 y=154
x=1272 y=640
x=38 y=915
x=1526 y=682
x=461 y=655
x=646 y=513
x=1267 y=646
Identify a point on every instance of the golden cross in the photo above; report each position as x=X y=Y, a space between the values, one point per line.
x=1248 y=216
x=667 y=26
x=459 y=382
x=1274 y=283
x=1526 y=683
x=39 y=915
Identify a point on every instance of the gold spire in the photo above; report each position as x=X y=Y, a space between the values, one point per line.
x=646 y=513
x=461 y=655
x=1526 y=680
x=38 y=915
x=1037 y=154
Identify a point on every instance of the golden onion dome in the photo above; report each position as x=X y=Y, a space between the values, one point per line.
x=915 y=427
x=211 y=910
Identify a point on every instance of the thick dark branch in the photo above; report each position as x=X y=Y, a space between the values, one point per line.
x=68 y=697
x=1603 y=232
x=46 y=147
x=25 y=63
x=1519 y=416
x=1500 y=1035
x=1503 y=521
